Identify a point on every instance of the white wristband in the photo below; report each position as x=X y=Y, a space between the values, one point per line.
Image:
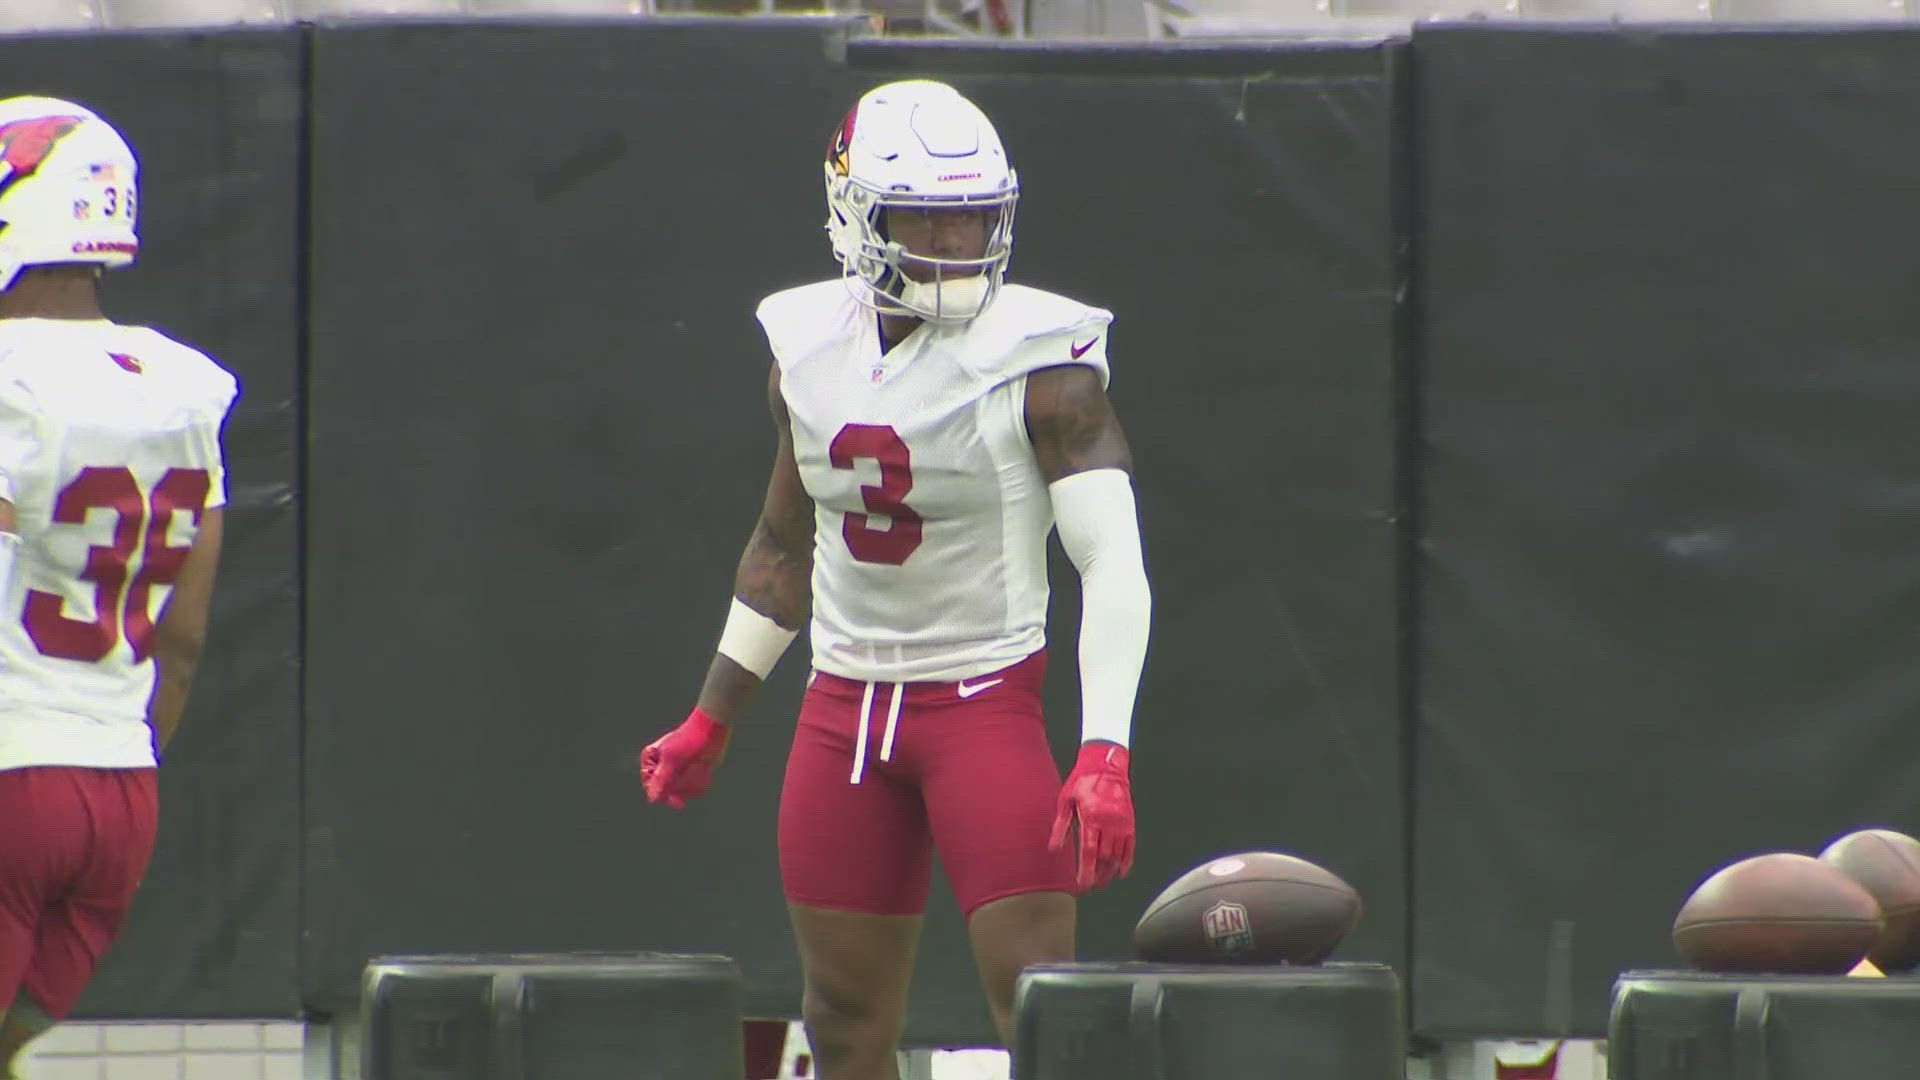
x=1101 y=533
x=752 y=640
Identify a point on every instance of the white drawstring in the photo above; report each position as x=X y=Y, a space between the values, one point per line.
x=860 y=739
x=893 y=722
x=886 y=741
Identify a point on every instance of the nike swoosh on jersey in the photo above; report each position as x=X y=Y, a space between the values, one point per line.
x=1079 y=351
x=969 y=691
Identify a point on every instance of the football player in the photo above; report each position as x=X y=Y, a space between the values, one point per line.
x=935 y=426
x=111 y=488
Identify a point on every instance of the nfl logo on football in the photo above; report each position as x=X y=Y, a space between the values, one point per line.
x=1227 y=928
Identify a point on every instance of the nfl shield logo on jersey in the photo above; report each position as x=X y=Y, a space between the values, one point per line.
x=1227 y=928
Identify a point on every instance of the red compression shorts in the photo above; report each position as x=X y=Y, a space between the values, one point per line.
x=74 y=846
x=960 y=767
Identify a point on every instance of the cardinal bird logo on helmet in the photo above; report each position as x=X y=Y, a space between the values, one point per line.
x=839 y=152
x=25 y=144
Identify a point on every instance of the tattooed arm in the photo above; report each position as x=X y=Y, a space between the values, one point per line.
x=1084 y=456
x=774 y=579
x=1071 y=423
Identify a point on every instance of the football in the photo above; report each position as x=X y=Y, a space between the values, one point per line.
x=1782 y=913
x=1886 y=864
x=1256 y=907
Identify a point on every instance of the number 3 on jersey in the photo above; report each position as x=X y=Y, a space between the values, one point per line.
x=879 y=443
x=121 y=599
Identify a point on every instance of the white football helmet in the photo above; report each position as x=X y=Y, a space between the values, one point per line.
x=917 y=145
x=69 y=189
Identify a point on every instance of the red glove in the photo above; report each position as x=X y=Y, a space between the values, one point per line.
x=1100 y=795
x=678 y=766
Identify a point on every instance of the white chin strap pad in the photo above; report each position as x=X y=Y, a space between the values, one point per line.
x=953 y=298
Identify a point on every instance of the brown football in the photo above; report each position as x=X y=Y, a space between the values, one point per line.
x=1255 y=907
x=1886 y=864
x=1781 y=913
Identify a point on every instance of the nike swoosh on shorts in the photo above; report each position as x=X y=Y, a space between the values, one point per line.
x=968 y=691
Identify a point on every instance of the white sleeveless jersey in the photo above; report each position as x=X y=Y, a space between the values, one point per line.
x=110 y=452
x=931 y=515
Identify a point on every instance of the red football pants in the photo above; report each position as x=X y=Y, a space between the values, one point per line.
x=74 y=846
x=882 y=775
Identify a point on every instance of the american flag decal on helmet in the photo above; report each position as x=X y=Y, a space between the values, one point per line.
x=25 y=144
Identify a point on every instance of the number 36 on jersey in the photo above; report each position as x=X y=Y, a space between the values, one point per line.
x=141 y=558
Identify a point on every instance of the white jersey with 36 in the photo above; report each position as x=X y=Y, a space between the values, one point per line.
x=110 y=454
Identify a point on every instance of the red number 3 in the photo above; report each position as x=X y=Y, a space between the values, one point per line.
x=118 y=601
x=901 y=537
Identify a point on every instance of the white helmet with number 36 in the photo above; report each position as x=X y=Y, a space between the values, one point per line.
x=918 y=145
x=68 y=188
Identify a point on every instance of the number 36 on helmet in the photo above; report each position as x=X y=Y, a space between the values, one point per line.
x=68 y=188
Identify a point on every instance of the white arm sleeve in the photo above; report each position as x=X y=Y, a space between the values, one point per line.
x=1101 y=533
x=9 y=552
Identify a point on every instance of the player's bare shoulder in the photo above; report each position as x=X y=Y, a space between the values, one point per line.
x=1027 y=329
